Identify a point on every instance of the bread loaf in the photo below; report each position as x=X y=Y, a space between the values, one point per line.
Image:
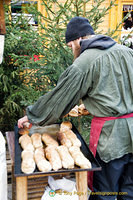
x=79 y=157
x=73 y=138
x=53 y=156
x=26 y=143
x=63 y=139
x=41 y=162
x=49 y=141
x=82 y=110
x=66 y=125
x=23 y=131
x=74 y=112
x=28 y=163
x=37 y=140
x=66 y=158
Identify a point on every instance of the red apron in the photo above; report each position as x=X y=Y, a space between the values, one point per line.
x=96 y=127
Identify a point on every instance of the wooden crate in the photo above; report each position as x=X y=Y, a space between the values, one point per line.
x=36 y=185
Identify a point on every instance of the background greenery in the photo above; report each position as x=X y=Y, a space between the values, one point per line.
x=22 y=77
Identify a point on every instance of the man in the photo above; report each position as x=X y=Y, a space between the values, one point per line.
x=102 y=76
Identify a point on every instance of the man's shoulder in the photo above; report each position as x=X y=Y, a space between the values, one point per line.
x=90 y=55
x=121 y=47
x=85 y=61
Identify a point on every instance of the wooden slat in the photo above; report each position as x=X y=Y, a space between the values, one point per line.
x=81 y=182
x=21 y=188
x=35 y=195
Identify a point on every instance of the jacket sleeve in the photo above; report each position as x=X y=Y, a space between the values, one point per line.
x=50 y=107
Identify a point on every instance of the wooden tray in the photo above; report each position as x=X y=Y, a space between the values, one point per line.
x=84 y=148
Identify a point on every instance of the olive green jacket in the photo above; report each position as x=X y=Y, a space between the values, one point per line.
x=103 y=79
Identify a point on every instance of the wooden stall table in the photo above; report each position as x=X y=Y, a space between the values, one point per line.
x=21 y=182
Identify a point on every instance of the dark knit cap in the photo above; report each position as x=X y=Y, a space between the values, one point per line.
x=78 y=27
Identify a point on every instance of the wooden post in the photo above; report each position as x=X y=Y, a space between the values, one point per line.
x=81 y=182
x=41 y=8
x=2 y=19
x=21 y=188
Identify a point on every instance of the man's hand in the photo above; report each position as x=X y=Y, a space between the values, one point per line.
x=21 y=121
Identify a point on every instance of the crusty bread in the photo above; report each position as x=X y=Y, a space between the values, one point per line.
x=63 y=139
x=82 y=110
x=74 y=112
x=28 y=163
x=26 y=143
x=53 y=156
x=66 y=125
x=41 y=162
x=79 y=157
x=23 y=131
x=49 y=140
x=66 y=158
x=37 y=140
x=73 y=138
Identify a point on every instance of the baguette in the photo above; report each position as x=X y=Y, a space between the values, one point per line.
x=82 y=110
x=74 y=112
x=23 y=131
x=79 y=157
x=66 y=158
x=26 y=143
x=49 y=141
x=66 y=125
x=37 y=140
x=53 y=156
x=63 y=139
x=41 y=162
x=73 y=138
x=28 y=163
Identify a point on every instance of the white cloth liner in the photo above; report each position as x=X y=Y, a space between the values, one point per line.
x=3 y=169
x=67 y=187
x=1 y=47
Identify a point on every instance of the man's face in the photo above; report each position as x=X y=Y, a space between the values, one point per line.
x=75 y=46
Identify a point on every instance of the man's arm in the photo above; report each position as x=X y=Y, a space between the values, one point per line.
x=71 y=87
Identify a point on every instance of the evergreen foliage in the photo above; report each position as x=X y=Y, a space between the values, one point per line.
x=23 y=78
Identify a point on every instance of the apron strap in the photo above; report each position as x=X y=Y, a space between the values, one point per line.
x=97 y=124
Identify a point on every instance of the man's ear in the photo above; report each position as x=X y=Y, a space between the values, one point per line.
x=79 y=39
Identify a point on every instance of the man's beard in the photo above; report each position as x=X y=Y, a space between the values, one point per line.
x=76 y=52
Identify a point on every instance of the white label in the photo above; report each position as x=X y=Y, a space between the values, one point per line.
x=1 y=47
